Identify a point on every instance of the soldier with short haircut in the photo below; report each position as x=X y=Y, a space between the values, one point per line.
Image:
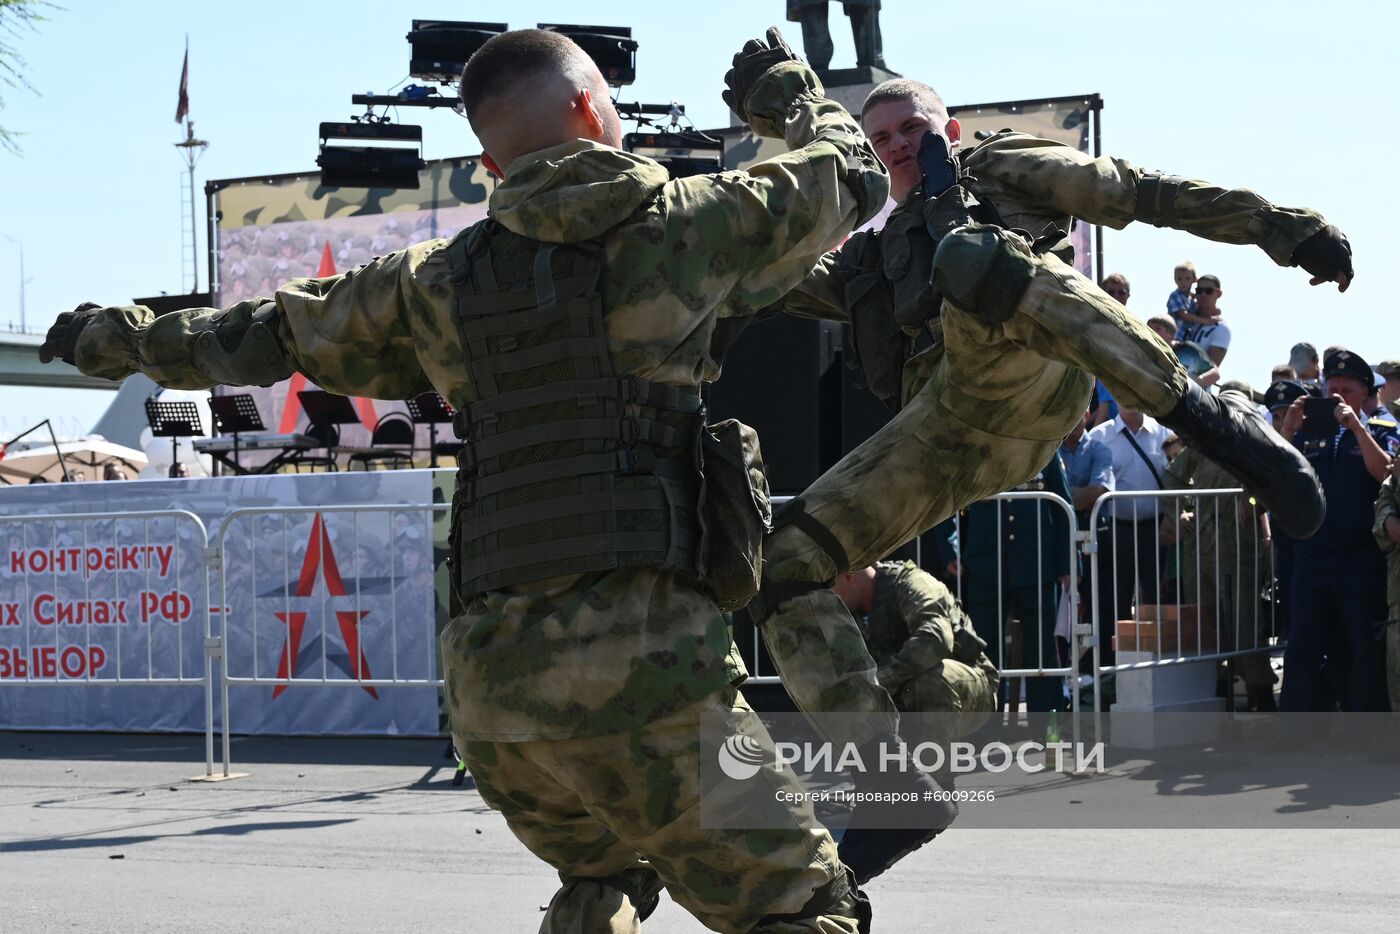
x=570 y=331
x=984 y=340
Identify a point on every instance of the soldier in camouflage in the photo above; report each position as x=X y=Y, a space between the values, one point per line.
x=576 y=699
x=1224 y=561
x=983 y=336
x=930 y=656
x=1387 y=533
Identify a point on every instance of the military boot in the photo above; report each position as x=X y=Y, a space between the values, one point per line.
x=1228 y=430
x=887 y=836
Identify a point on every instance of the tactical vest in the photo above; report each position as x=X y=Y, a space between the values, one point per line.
x=890 y=292
x=566 y=467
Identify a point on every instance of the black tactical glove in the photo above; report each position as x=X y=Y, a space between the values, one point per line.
x=948 y=211
x=750 y=65
x=947 y=205
x=62 y=340
x=1324 y=255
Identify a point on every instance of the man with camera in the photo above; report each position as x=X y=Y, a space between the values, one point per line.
x=1338 y=586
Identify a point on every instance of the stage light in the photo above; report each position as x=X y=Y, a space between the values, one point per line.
x=612 y=49
x=440 y=48
x=682 y=154
x=382 y=164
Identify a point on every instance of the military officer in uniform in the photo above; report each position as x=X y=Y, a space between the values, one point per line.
x=1388 y=537
x=1277 y=398
x=1014 y=559
x=1338 y=587
x=1389 y=370
x=1387 y=533
x=1224 y=559
x=570 y=330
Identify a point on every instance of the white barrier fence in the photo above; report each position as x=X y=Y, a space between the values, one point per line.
x=120 y=599
x=132 y=590
x=1179 y=578
x=1035 y=600
x=289 y=601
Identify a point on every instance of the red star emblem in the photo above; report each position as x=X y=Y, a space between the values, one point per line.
x=320 y=557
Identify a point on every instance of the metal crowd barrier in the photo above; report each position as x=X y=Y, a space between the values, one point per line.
x=1192 y=594
x=174 y=547
x=72 y=570
x=1068 y=596
x=1078 y=632
x=269 y=543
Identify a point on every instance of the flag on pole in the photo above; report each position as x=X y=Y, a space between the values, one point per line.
x=183 y=108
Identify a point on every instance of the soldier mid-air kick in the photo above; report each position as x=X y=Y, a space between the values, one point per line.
x=967 y=318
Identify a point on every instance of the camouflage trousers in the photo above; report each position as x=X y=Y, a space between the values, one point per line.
x=985 y=410
x=619 y=817
x=953 y=688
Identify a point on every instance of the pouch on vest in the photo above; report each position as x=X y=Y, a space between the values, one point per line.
x=736 y=512
x=881 y=346
x=967 y=646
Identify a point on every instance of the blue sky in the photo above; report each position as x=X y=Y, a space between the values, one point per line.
x=1288 y=98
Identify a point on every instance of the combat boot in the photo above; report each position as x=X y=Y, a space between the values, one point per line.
x=909 y=809
x=1228 y=430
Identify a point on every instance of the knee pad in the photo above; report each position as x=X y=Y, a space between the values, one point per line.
x=984 y=271
x=840 y=895
x=642 y=886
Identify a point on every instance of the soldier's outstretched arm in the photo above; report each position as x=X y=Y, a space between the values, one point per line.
x=760 y=231
x=1115 y=192
x=347 y=333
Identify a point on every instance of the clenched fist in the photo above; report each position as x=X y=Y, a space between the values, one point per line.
x=62 y=340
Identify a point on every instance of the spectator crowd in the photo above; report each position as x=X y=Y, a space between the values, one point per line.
x=1335 y=596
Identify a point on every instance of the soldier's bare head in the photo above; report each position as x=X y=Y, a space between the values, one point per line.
x=530 y=89
x=896 y=115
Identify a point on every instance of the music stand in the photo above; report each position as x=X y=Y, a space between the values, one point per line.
x=432 y=410
x=174 y=420
x=234 y=415
x=326 y=411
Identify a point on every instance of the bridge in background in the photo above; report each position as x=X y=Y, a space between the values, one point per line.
x=20 y=366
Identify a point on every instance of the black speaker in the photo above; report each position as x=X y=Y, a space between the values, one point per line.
x=790 y=378
x=771 y=380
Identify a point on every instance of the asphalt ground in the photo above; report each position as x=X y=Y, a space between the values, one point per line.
x=104 y=832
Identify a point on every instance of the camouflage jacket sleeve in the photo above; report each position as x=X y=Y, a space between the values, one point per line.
x=927 y=608
x=348 y=334
x=1387 y=507
x=822 y=294
x=762 y=230
x=1106 y=191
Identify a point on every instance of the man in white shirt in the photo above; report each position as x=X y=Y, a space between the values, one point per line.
x=1213 y=338
x=1129 y=555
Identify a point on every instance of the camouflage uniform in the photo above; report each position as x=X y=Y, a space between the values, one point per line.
x=986 y=405
x=576 y=699
x=1222 y=561
x=930 y=656
x=1387 y=507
